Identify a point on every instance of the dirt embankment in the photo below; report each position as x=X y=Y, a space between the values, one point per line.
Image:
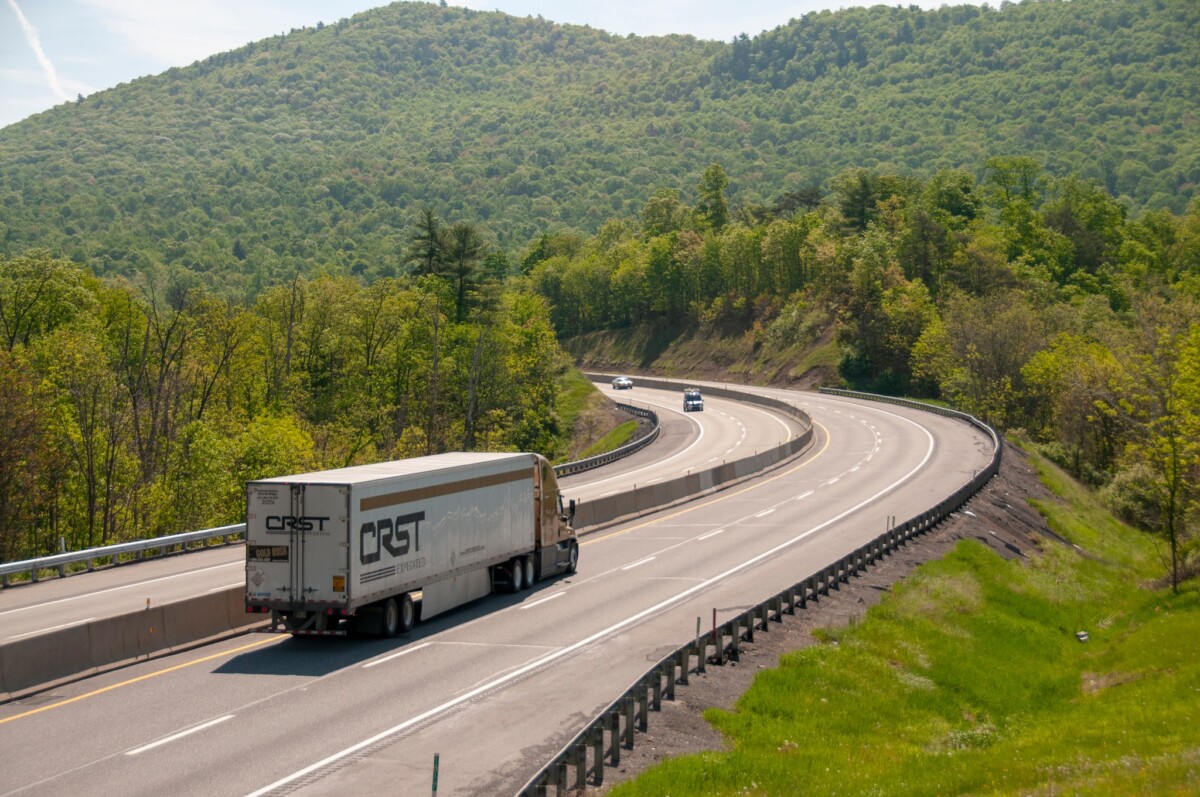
x=998 y=516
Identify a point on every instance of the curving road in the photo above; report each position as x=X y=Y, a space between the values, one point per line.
x=727 y=430
x=495 y=688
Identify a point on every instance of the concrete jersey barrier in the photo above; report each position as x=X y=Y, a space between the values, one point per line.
x=620 y=507
x=44 y=660
x=38 y=662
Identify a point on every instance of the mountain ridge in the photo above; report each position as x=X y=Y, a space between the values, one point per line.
x=313 y=150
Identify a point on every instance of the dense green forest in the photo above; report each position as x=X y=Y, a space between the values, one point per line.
x=134 y=408
x=316 y=149
x=361 y=240
x=1033 y=301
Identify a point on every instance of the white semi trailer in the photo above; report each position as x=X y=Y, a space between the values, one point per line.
x=373 y=547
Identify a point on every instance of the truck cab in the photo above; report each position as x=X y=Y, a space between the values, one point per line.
x=557 y=549
x=692 y=400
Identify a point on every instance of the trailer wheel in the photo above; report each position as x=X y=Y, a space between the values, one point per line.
x=573 y=557
x=530 y=576
x=408 y=613
x=391 y=618
x=399 y=616
x=516 y=575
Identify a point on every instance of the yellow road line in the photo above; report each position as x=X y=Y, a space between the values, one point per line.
x=270 y=639
x=723 y=497
x=145 y=677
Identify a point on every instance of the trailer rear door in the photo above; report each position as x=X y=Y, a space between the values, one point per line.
x=297 y=544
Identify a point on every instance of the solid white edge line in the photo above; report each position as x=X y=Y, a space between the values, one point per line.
x=52 y=628
x=677 y=455
x=710 y=534
x=396 y=655
x=639 y=563
x=239 y=563
x=513 y=675
x=228 y=586
x=179 y=735
x=543 y=600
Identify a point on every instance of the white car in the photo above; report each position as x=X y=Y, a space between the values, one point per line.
x=622 y=383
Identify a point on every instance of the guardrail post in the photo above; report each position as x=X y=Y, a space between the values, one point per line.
x=579 y=753
x=685 y=656
x=749 y=635
x=597 y=740
x=701 y=653
x=629 y=705
x=791 y=601
x=735 y=639
x=656 y=690
x=614 y=730
x=643 y=703
x=560 y=776
x=670 y=664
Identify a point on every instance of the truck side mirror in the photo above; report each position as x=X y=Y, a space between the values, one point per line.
x=571 y=509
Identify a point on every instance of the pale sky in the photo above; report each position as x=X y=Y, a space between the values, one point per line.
x=51 y=51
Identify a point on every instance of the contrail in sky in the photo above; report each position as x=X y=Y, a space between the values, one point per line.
x=35 y=45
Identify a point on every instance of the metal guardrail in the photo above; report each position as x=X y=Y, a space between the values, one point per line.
x=581 y=762
x=581 y=465
x=121 y=553
x=127 y=552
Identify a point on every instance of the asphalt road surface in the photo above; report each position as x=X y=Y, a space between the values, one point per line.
x=728 y=430
x=495 y=688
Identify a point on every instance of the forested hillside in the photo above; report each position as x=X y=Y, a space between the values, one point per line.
x=135 y=408
x=1032 y=301
x=314 y=150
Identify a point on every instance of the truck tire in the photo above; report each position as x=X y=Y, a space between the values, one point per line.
x=516 y=575
x=399 y=616
x=573 y=558
x=530 y=575
x=390 y=621
x=408 y=613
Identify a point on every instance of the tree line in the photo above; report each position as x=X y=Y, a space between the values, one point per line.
x=1033 y=301
x=138 y=407
x=323 y=144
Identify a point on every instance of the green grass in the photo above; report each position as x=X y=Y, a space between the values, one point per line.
x=968 y=678
x=575 y=394
x=614 y=439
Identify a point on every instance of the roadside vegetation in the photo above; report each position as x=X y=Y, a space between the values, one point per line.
x=970 y=677
x=318 y=148
x=136 y=408
x=613 y=440
x=1034 y=301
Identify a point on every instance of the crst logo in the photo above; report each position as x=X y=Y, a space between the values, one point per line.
x=391 y=533
x=288 y=523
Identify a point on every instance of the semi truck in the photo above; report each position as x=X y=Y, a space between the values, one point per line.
x=375 y=548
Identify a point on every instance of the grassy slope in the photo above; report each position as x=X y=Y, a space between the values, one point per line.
x=591 y=424
x=969 y=679
x=706 y=354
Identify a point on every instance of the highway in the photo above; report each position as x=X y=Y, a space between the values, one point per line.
x=727 y=430
x=496 y=688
